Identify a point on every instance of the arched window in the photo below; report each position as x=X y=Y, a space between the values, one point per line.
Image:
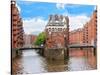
x=55 y=30
x=52 y=29
x=49 y=29
x=60 y=29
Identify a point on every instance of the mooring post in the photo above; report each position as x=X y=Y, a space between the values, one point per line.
x=94 y=51
x=65 y=55
x=67 y=52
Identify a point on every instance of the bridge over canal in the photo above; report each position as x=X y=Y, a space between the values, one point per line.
x=85 y=45
x=28 y=48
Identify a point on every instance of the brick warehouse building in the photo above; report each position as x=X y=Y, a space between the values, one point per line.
x=87 y=34
x=57 y=31
x=90 y=30
x=16 y=27
x=29 y=40
x=76 y=36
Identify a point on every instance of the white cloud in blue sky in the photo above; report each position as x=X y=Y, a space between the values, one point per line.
x=60 y=5
x=34 y=25
x=37 y=24
x=78 y=21
x=35 y=14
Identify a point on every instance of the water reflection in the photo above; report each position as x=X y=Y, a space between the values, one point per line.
x=82 y=59
x=80 y=63
x=32 y=62
x=57 y=66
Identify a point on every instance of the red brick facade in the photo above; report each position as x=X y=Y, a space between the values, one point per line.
x=16 y=27
x=33 y=38
x=87 y=34
x=29 y=40
x=76 y=36
x=90 y=30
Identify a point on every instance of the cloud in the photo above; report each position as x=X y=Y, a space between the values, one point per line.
x=95 y=7
x=37 y=24
x=78 y=21
x=34 y=25
x=60 y=5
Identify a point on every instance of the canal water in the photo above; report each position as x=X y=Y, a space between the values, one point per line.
x=31 y=62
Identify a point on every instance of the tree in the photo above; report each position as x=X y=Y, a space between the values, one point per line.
x=40 y=39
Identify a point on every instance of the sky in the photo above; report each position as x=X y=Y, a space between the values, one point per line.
x=35 y=14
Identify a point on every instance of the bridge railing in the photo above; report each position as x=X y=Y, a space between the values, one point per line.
x=81 y=45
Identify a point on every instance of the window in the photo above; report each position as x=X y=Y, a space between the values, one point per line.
x=60 y=29
x=53 y=29
x=14 y=14
x=49 y=29
x=14 y=34
x=14 y=41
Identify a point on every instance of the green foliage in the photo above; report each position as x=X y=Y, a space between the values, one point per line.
x=40 y=39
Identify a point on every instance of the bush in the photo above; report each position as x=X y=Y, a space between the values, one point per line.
x=40 y=39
